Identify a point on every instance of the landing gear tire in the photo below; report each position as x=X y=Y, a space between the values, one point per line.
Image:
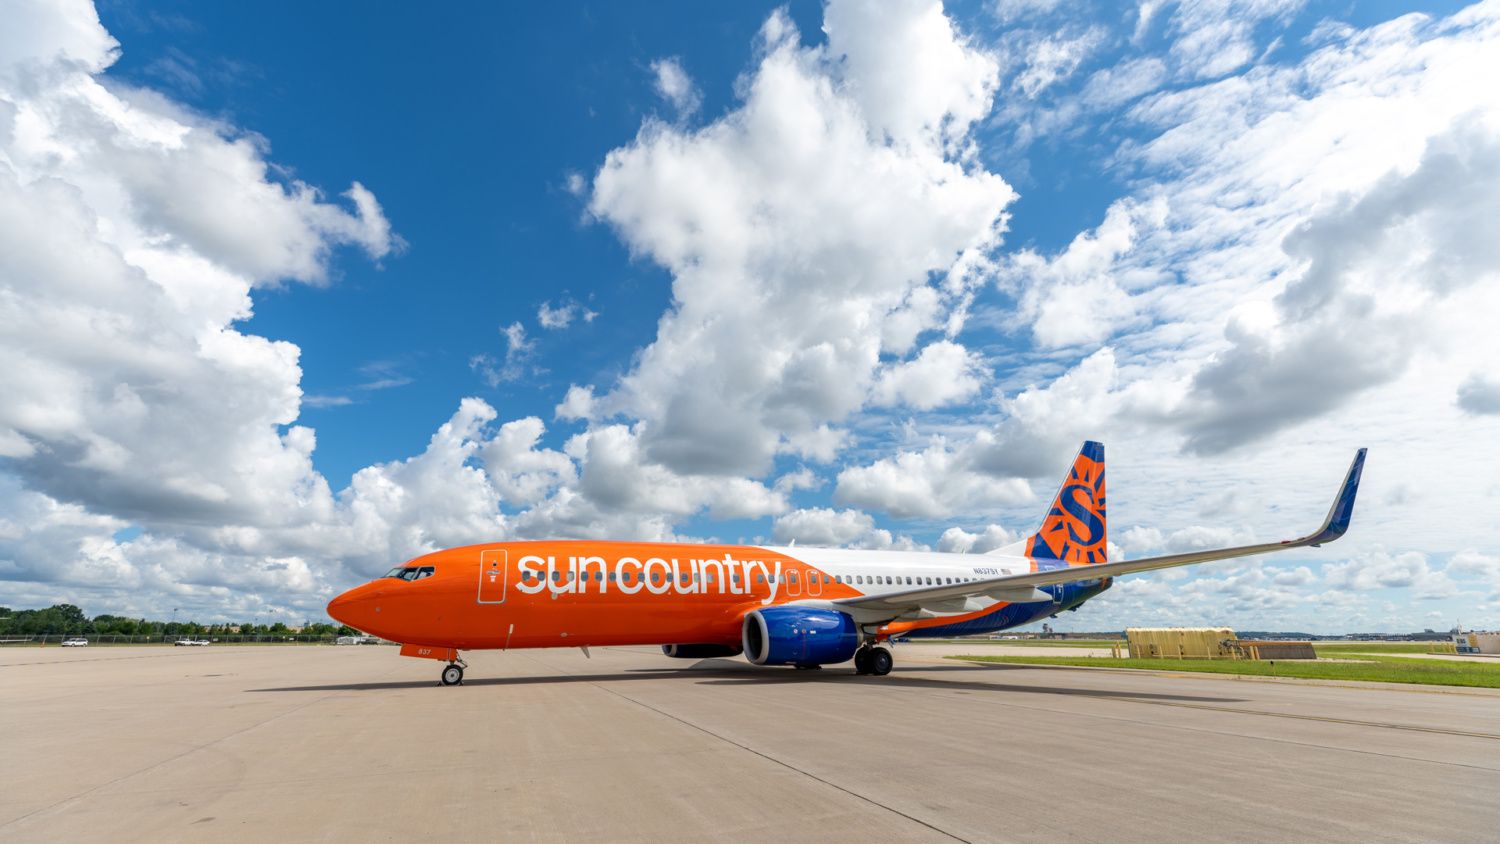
x=880 y=662
x=453 y=674
x=862 y=661
x=808 y=666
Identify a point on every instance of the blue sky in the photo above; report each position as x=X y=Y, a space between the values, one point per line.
x=748 y=272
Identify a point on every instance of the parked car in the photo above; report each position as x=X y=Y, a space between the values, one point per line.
x=76 y=642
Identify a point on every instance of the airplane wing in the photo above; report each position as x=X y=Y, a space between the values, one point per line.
x=1021 y=588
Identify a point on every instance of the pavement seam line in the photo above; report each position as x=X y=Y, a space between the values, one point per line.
x=1323 y=718
x=1239 y=735
x=789 y=766
x=1368 y=685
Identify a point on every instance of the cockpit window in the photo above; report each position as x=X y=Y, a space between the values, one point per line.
x=411 y=572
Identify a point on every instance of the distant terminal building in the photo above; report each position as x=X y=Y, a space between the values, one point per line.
x=1208 y=643
x=1477 y=642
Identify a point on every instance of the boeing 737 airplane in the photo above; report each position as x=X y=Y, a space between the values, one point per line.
x=806 y=607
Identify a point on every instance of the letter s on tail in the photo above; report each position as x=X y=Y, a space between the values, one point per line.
x=1073 y=531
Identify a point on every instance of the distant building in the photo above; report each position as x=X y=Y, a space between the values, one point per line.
x=1477 y=642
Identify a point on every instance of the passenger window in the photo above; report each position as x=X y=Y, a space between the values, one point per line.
x=611 y=577
x=557 y=577
x=656 y=577
x=760 y=578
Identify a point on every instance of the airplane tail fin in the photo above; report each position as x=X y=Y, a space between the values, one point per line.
x=1073 y=531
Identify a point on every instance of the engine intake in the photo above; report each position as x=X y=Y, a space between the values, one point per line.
x=789 y=635
x=704 y=651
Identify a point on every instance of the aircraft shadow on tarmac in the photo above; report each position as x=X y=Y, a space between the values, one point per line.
x=725 y=673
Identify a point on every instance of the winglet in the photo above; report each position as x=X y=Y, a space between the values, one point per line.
x=1343 y=506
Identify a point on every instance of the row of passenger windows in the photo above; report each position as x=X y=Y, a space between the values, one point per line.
x=699 y=577
x=899 y=580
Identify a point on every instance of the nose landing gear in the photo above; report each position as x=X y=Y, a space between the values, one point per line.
x=873 y=660
x=453 y=673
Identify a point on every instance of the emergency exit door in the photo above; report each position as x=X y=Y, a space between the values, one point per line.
x=492 y=576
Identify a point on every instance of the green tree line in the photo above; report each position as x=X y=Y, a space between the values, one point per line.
x=70 y=620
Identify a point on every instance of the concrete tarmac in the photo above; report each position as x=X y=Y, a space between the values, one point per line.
x=359 y=744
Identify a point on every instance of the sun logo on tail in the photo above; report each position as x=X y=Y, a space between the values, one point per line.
x=1074 y=529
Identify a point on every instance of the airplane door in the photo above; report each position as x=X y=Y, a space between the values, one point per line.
x=793 y=579
x=493 y=569
x=814 y=581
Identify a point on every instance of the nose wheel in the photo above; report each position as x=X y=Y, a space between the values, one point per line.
x=873 y=660
x=453 y=674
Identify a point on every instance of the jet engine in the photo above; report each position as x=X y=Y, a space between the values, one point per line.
x=699 y=651
x=791 y=635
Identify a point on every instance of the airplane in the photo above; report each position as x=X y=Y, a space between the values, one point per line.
x=799 y=606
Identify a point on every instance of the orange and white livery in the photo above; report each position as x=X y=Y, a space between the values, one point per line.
x=805 y=607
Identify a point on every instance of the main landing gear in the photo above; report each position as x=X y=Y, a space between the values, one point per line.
x=453 y=673
x=873 y=660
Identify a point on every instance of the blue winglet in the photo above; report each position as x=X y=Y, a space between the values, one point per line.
x=1343 y=507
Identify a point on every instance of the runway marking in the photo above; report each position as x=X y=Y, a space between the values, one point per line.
x=789 y=766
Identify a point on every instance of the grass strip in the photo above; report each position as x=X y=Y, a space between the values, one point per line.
x=1379 y=669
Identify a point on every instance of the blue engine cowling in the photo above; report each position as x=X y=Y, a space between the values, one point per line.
x=799 y=636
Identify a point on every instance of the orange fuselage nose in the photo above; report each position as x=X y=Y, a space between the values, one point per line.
x=360 y=608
